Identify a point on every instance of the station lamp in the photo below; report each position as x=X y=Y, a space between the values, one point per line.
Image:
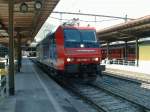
x=38 y=5
x=24 y=8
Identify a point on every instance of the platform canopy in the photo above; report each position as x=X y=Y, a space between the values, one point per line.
x=128 y=31
x=26 y=24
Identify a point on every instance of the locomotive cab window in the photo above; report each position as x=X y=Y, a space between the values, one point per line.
x=88 y=36
x=72 y=35
x=75 y=35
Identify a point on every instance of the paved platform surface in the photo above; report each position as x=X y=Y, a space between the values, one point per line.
x=8 y=104
x=128 y=74
x=36 y=92
x=31 y=95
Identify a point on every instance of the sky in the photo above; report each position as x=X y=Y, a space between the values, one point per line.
x=133 y=8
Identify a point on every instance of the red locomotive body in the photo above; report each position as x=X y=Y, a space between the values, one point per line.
x=71 y=50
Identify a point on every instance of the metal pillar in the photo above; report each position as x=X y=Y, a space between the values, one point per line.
x=125 y=52
x=19 y=52
x=11 y=49
x=126 y=18
x=137 y=52
x=107 y=50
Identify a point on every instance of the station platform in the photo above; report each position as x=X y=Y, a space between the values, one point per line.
x=119 y=71
x=36 y=92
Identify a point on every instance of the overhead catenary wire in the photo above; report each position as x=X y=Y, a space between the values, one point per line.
x=83 y=20
x=96 y=15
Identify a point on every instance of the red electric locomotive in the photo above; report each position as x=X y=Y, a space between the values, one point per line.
x=71 y=51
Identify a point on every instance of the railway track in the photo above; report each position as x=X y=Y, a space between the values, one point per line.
x=129 y=90
x=61 y=82
x=141 y=88
x=126 y=78
x=102 y=100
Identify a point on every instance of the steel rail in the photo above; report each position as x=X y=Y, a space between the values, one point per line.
x=121 y=96
x=86 y=99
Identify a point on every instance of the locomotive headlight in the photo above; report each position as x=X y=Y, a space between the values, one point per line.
x=68 y=59
x=95 y=59
x=82 y=45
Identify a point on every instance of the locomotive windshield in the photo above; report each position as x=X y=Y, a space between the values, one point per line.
x=72 y=35
x=75 y=35
x=88 y=36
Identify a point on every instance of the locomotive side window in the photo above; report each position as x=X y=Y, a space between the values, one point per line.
x=53 y=47
x=51 y=51
x=45 y=48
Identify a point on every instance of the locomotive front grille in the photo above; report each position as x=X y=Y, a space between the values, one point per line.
x=78 y=68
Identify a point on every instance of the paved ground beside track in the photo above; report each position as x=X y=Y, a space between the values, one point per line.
x=36 y=92
x=130 y=75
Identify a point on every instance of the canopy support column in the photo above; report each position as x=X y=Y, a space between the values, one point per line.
x=137 y=52
x=125 y=51
x=19 y=52
x=11 y=49
x=107 y=56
